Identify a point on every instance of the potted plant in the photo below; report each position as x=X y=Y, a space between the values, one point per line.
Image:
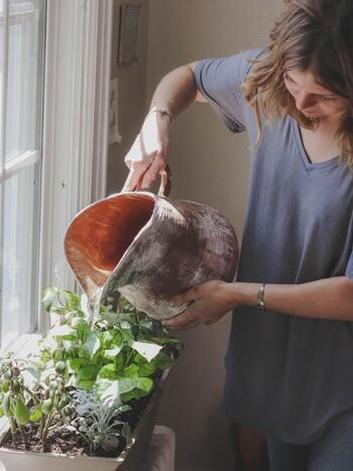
x=88 y=397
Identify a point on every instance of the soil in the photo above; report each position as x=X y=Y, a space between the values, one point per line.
x=70 y=443
x=64 y=442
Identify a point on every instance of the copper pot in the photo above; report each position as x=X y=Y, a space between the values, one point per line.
x=149 y=248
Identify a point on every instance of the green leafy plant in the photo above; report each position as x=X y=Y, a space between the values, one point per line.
x=45 y=403
x=124 y=347
x=93 y=366
x=12 y=396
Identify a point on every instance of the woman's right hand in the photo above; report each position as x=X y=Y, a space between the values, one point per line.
x=148 y=154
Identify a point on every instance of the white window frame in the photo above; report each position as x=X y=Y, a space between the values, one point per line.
x=12 y=165
x=75 y=133
x=76 y=112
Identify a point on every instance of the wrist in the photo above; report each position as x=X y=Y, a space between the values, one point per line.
x=160 y=111
x=261 y=297
x=245 y=294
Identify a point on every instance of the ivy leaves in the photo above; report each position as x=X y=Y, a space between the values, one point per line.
x=125 y=347
x=90 y=369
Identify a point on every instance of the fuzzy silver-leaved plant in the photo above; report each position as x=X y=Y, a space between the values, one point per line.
x=99 y=422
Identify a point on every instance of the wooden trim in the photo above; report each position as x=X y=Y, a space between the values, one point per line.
x=3 y=97
x=75 y=123
x=101 y=133
x=19 y=162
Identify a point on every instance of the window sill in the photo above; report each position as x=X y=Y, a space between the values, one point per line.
x=23 y=346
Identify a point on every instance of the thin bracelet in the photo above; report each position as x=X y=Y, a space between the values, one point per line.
x=261 y=297
x=155 y=109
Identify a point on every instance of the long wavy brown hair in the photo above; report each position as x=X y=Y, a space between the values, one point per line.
x=315 y=35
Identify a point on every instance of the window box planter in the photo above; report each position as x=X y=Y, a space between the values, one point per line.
x=88 y=397
x=131 y=459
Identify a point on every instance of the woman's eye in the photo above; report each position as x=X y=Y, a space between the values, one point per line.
x=289 y=84
x=291 y=88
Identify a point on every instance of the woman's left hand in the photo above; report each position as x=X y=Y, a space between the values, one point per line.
x=210 y=301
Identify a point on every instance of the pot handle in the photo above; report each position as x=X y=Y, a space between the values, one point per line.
x=166 y=181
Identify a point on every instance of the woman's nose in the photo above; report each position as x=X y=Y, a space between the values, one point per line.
x=304 y=101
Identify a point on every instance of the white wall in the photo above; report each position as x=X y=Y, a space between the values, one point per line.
x=209 y=165
x=132 y=95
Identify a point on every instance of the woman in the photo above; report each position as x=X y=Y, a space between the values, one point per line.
x=290 y=354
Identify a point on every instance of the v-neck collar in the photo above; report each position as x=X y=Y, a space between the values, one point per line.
x=305 y=158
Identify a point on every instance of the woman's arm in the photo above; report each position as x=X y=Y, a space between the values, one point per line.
x=148 y=154
x=177 y=90
x=330 y=298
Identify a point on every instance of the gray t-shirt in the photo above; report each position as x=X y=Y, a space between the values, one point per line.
x=286 y=375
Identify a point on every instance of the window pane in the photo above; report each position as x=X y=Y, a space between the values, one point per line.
x=21 y=92
x=20 y=253
x=24 y=67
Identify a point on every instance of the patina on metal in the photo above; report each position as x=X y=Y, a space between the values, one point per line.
x=149 y=248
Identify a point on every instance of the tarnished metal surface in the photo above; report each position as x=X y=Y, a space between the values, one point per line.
x=149 y=248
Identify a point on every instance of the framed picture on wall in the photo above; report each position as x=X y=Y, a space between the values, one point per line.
x=128 y=32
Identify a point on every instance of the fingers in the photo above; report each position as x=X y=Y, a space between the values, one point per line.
x=131 y=181
x=138 y=162
x=182 y=321
x=137 y=171
x=146 y=158
x=152 y=172
x=139 y=179
x=186 y=297
x=191 y=317
x=143 y=173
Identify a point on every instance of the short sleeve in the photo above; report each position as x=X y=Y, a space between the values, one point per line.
x=220 y=81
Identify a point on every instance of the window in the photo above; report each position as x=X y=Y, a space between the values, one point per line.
x=21 y=97
x=54 y=103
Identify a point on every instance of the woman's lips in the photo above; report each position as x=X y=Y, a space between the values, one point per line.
x=311 y=115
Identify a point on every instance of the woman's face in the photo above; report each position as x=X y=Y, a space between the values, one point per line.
x=312 y=99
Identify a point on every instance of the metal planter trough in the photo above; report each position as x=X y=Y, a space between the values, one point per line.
x=131 y=459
